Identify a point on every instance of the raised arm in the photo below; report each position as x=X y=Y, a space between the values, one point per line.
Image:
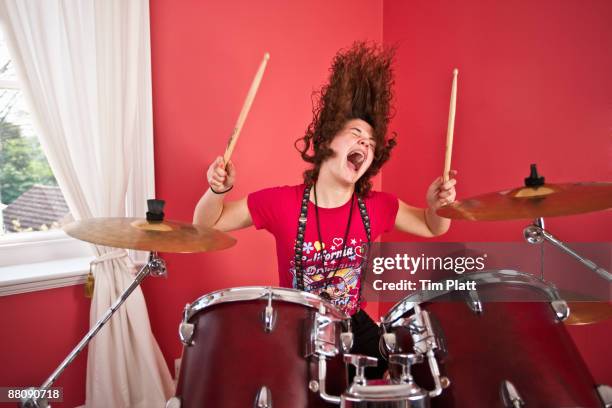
x=212 y=210
x=425 y=222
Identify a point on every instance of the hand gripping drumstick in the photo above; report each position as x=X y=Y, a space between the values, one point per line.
x=231 y=143
x=451 y=127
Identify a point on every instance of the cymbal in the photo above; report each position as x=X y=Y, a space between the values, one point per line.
x=140 y=234
x=588 y=312
x=547 y=200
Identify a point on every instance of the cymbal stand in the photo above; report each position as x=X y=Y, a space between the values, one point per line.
x=155 y=266
x=536 y=234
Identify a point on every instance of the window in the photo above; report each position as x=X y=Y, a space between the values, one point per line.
x=29 y=196
x=33 y=248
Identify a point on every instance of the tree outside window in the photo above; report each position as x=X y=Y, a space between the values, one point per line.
x=30 y=199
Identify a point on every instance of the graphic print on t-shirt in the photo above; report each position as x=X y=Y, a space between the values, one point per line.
x=320 y=260
x=277 y=210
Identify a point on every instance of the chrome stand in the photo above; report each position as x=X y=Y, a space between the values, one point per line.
x=155 y=266
x=536 y=234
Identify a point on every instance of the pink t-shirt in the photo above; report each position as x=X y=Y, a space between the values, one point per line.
x=277 y=210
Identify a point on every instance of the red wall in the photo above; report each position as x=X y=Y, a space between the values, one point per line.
x=534 y=87
x=39 y=329
x=204 y=57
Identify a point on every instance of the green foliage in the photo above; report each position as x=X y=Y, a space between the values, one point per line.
x=22 y=163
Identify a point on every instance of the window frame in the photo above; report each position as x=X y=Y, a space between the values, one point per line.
x=39 y=260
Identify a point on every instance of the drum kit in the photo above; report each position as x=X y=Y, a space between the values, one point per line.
x=262 y=346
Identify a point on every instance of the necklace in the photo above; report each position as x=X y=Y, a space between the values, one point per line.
x=325 y=293
x=301 y=230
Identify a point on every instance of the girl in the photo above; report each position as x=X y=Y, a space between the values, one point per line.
x=322 y=225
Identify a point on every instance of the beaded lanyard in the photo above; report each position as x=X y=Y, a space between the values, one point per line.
x=299 y=241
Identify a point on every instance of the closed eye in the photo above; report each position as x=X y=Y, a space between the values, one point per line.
x=357 y=133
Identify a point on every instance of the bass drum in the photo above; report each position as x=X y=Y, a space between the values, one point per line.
x=258 y=347
x=495 y=353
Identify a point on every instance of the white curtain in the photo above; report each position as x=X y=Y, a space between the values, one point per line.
x=85 y=66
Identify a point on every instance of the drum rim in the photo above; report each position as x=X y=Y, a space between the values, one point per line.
x=484 y=277
x=384 y=393
x=247 y=293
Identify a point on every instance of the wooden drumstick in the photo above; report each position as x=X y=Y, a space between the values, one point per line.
x=451 y=128
x=231 y=143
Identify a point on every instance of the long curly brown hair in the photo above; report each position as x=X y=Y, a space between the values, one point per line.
x=359 y=87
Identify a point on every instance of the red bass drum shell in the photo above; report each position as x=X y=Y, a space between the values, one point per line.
x=521 y=342
x=232 y=357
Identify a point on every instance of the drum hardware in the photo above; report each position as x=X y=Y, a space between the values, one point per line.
x=264 y=398
x=504 y=276
x=406 y=394
x=360 y=362
x=173 y=403
x=322 y=336
x=322 y=378
x=559 y=306
x=157 y=266
x=426 y=342
x=474 y=302
x=153 y=264
x=38 y=403
x=347 y=339
x=562 y=310
x=269 y=314
x=439 y=381
x=510 y=395
x=390 y=342
x=385 y=396
x=536 y=234
x=152 y=234
x=579 y=312
x=313 y=385
x=394 y=317
x=605 y=393
x=322 y=345
x=186 y=329
x=406 y=361
x=422 y=331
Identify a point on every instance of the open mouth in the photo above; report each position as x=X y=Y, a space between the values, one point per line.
x=355 y=159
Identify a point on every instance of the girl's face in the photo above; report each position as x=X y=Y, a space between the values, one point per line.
x=354 y=151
